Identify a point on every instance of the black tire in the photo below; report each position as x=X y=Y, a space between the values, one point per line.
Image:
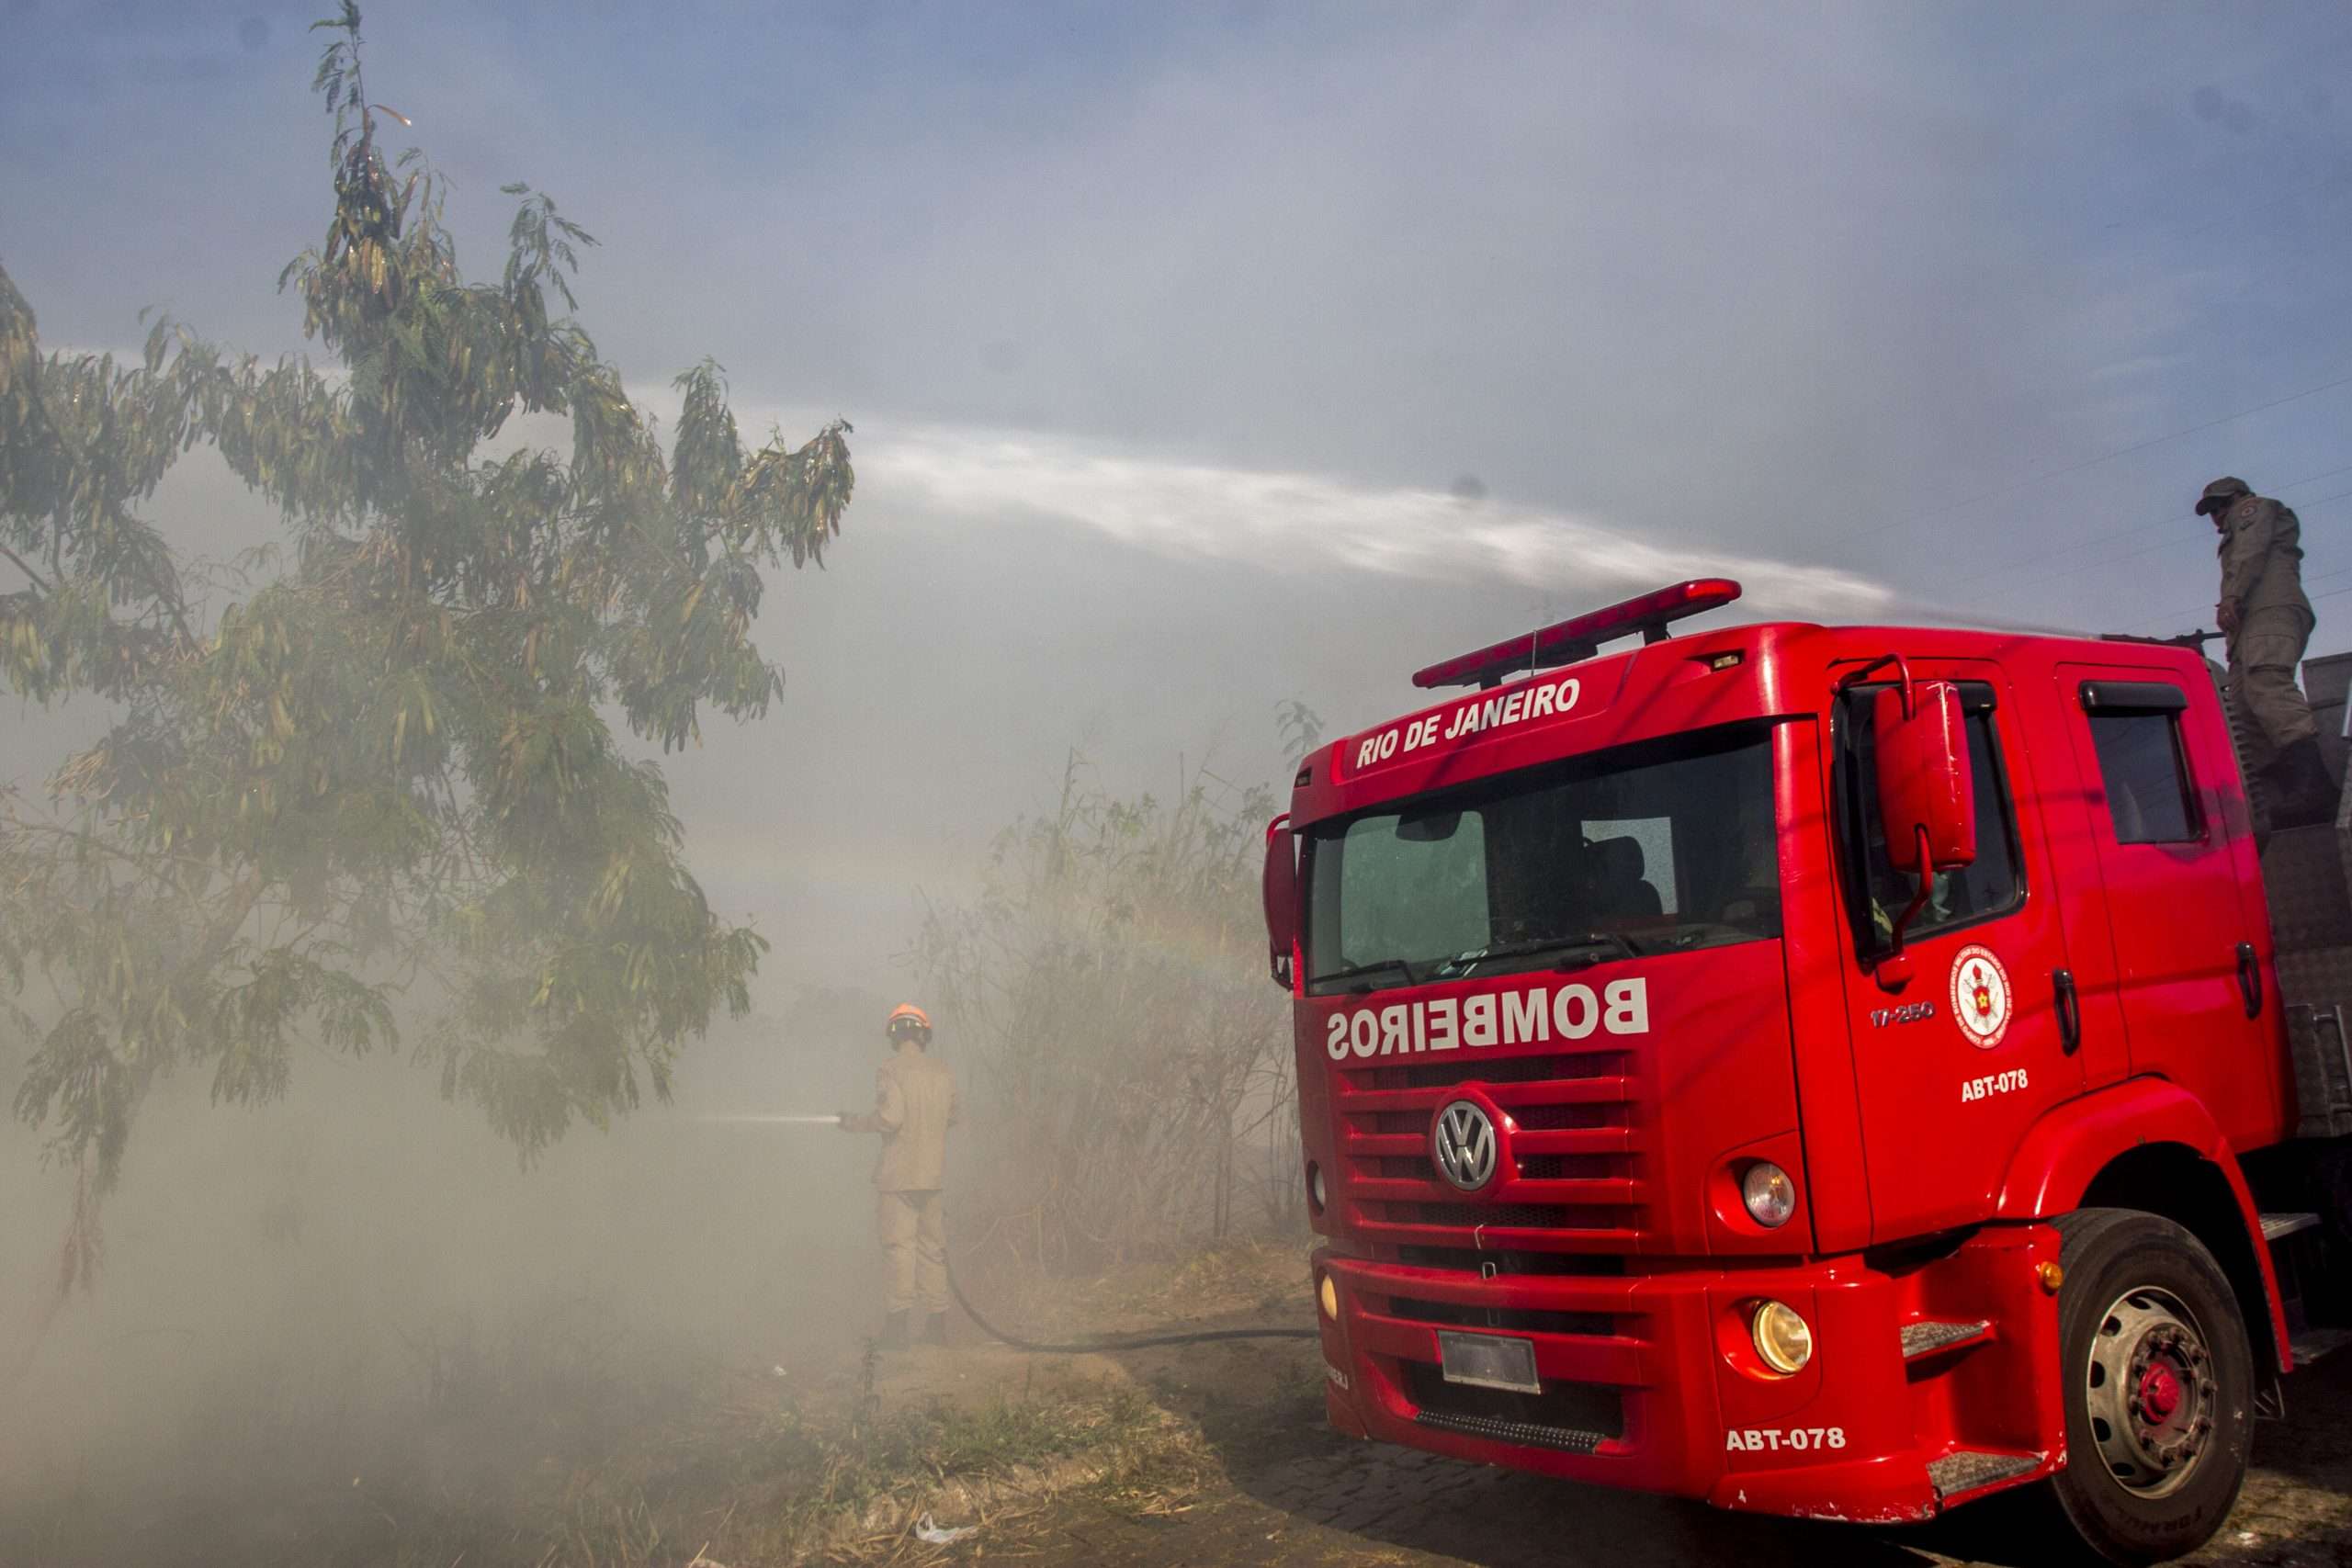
x=2138 y=1285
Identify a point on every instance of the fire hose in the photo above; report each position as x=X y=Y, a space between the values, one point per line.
x=1078 y=1348
x=1117 y=1341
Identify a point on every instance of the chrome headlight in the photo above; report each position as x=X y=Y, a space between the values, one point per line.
x=1782 y=1337
x=1768 y=1193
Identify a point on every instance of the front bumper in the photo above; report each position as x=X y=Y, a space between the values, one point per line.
x=1650 y=1382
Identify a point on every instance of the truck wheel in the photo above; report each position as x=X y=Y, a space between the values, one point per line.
x=2159 y=1386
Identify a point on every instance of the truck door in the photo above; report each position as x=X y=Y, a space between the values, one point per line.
x=2148 y=749
x=1953 y=1068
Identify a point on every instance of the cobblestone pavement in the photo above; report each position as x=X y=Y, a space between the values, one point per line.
x=1296 y=1494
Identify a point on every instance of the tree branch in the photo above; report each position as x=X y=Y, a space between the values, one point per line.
x=187 y=638
x=18 y=562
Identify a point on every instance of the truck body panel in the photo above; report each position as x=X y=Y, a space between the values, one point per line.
x=2100 y=981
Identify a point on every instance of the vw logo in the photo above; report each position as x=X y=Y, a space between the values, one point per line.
x=1461 y=1145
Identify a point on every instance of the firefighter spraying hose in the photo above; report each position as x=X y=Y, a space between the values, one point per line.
x=914 y=1104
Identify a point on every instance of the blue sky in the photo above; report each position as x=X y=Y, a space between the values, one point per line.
x=1167 y=330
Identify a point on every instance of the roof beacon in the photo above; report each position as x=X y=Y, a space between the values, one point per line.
x=1580 y=636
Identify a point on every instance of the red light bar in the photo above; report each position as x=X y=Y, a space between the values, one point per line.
x=1581 y=637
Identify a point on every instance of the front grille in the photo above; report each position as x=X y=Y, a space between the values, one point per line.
x=1570 y=1167
x=1539 y=1167
x=1566 y=1118
x=1573 y=1417
x=1505 y=1216
x=1453 y=1315
x=1576 y=1148
x=1465 y=1260
x=1530 y=1118
x=1506 y=1069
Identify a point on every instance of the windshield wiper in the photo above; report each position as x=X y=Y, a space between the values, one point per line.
x=1461 y=963
x=1354 y=971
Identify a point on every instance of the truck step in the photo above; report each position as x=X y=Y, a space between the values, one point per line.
x=2277 y=1228
x=1970 y=1470
x=2313 y=1343
x=1527 y=1434
x=1926 y=1337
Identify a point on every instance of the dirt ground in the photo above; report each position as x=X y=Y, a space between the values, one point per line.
x=822 y=1452
x=1291 y=1493
x=1273 y=1486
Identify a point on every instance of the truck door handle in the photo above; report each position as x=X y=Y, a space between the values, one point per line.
x=2250 y=979
x=2070 y=1011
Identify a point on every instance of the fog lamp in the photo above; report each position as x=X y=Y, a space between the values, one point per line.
x=1329 y=1294
x=1315 y=1185
x=1782 y=1338
x=1768 y=1193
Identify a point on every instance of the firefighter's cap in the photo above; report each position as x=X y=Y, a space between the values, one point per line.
x=2220 y=493
x=907 y=1019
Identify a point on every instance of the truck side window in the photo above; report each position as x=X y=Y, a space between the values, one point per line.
x=1990 y=886
x=2146 y=773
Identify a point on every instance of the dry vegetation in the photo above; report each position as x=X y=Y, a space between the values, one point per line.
x=569 y=1440
x=1128 y=1104
x=1130 y=1063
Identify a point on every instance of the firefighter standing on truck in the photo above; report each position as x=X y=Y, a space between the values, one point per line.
x=2267 y=621
x=914 y=1104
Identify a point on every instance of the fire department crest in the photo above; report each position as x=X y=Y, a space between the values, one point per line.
x=1980 y=995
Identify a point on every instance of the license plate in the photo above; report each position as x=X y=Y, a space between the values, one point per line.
x=1488 y=1361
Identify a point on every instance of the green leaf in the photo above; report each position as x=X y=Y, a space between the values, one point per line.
x=484 y=612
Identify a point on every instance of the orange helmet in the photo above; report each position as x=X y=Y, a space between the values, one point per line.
x=907 y=1019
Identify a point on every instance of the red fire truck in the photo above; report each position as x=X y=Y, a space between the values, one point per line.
x=1843 y=1072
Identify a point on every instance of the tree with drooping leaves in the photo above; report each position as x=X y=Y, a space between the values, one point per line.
x=378 y=796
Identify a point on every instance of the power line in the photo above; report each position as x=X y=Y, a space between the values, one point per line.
x=2048 y=475
x=2132 y=555
x=2157 y=621
x=2330 y=474
x=2011 y=566
x=2315 y=598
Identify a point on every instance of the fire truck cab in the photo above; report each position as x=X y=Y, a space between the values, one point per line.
x=1828 y=1071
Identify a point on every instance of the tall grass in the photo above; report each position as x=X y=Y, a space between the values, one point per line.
x=1129 y=1063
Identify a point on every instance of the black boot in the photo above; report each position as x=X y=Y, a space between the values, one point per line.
x=894 y=1332
x=935 y=1331
x=2303 y=796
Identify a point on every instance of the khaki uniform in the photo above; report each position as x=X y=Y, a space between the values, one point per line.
x=914 y=1104
x=2262 y=579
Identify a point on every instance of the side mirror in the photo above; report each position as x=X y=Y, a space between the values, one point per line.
x=1927 y=797
x=1282 y=899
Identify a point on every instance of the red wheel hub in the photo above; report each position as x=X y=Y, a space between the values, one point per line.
x=2150 y=1391
x=2159 y=1393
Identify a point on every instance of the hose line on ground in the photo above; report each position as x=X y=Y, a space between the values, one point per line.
x=1118 y=1342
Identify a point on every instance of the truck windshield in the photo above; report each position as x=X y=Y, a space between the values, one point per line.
x=1649 y=849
